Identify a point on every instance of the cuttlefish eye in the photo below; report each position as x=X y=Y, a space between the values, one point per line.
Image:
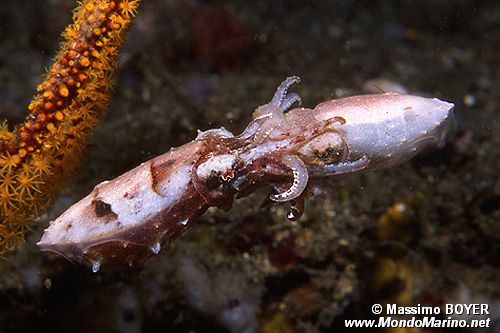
x=324 y=149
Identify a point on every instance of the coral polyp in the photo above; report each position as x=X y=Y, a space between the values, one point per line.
x=39 y=154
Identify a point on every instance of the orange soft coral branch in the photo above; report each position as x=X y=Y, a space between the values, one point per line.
x=36 y=157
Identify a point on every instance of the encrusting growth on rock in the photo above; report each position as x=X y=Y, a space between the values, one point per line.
x=38 y=155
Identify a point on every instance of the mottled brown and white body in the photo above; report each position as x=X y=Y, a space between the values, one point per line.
x=124 y=220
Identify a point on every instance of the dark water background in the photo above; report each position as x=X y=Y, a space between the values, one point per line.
x=426 y=232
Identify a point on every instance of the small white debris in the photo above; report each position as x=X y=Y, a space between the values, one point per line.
x=95 y=266
x=156 y=248
x=469 y=100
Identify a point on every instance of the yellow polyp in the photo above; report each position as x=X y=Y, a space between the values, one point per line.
x=84 y=62
x=116 y=19
x=37 y=157
x=6 y=164
x=21 y=225
x=28 y=182
x=51 y=127
x=22 y=152
x=70 y=33
x=41 y=164
x=7 y=199
x=5 y=134
x=8 y=181
x=63 y=91
x=16 y=159
x=71 y=143
x=129 y=8
x=103 y=6
x=91 y=19
x=89 y=7
x=9 y=238
x=101 y=17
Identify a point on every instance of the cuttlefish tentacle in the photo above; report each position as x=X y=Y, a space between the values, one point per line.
x=278 y=105
x=289 y=100
x=300 y=178
x=281 y=93
x=341 y=167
